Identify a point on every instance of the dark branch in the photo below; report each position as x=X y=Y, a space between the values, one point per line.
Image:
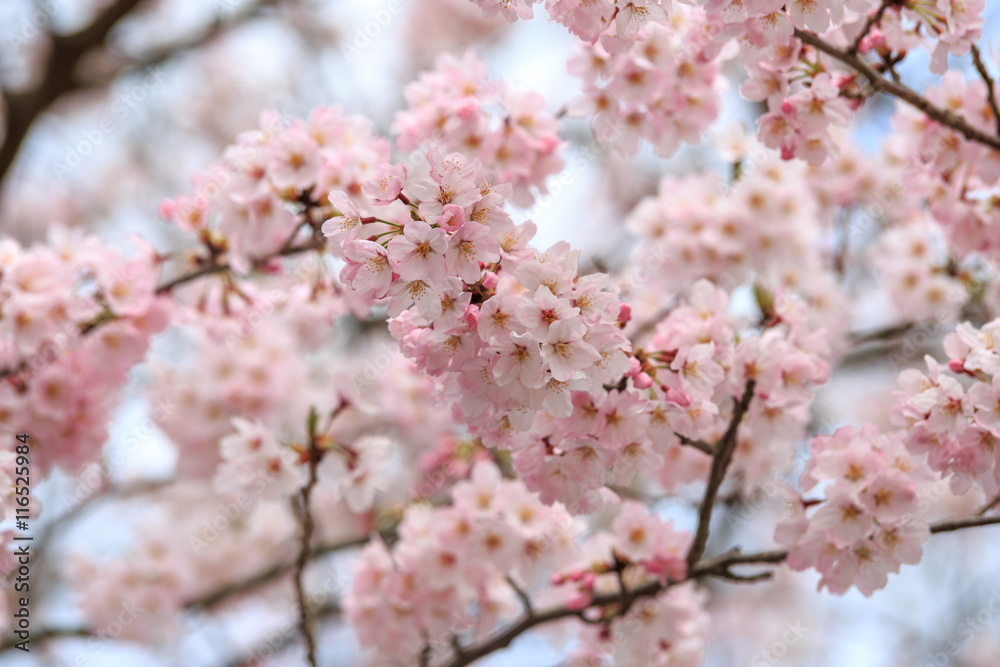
x=723 y=449
x=977 y=59
x=59 y=77
x=900 y=91
x=308 y=528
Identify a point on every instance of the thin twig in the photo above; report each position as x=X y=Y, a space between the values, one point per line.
x=959 y=524
x=719 y=566
x=872 y=19
x=308 y=527
x=700 y=445
x=720 y=463
x=900 y=91
x=977 y=59
x=990 y=505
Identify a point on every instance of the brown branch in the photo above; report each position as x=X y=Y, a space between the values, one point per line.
x=59 y=77
x=988 y=506
x=274 y=573
x=253 y=659
x=724 y=449
x=900 y=91
x=308 y=528
x=959 y=524
x=977 y=59
x=878 y=335
x=719 y=566
x=208 y=266
x=162 y=53
x=700 y=445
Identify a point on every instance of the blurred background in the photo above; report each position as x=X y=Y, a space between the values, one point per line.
x=97 y=142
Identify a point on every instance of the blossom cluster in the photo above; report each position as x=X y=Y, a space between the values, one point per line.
x=449 y=559
x=187 y=543
x=955 y=176
x=449 y=108
x=670 y=628
x=954 y=425
x=660 y=60
x=640 y=548
x=865 y=526
x=508 y=330
x=912 y=262
x=659 y=85
x=532 y=355
x=76 y=315
x=698 y=359
x=244 y=205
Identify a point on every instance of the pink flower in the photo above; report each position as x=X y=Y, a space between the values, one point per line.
x=637 y=533
x=294 y=160
x=469 y=246
x=511 y=9
x=419 y=252
x=496 y=318
x=519 y=359
x=565 y=352
x=387 y=184
x=890 y=496
x=633 y=16
x=843 y=518
x=346 y=225
x=369 y=268
x=543 y=310
x=404 y=293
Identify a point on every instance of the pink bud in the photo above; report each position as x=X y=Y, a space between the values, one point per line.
x=471 y=316
x=958 y=366
x=634 y=367
x=490 y=280
x=452 y=217
x=624 y=315
x=681 y=398
x=642 y=381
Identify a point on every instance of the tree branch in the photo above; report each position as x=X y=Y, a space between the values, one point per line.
x=723 y=449
x=959 y=524
x=59 y=77
x=700 y=445
x=977 y=60
x=719 y=566
x=900 y=91
x=308 y=528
